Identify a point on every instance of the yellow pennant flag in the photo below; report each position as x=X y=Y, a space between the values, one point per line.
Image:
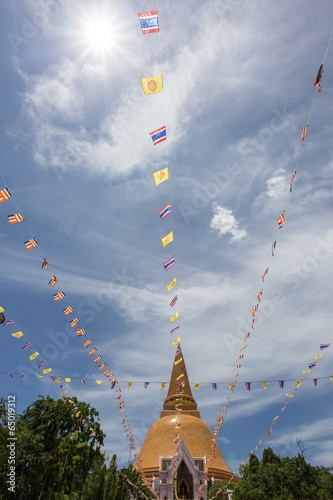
x=167 y=239
x=33 y=356
x=67 y=379
x=317 y=356
x=197 y=385
x=17 y=335
x=176 y=341
x=289 y=395
x=98 y=381
x=174 y=317
x=58 y=380
x=331 y=379
x=39 y=376
x=231 y=386
x=180 y=376
x=63 y=393
x=163 y=384
x=171 y=284
x=47 y=370
x=152 y=84
x=265 y=385
x=306 y=371
x=178 y=361
x=129 y=385
x=161 y=175
x=2 y=309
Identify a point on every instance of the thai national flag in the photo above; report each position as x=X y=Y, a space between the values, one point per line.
x=8 y=322
x=158 y=135
x=165 y=211
x=169 y=263
x=27 y=345
x=149 y=21
x=174 y=300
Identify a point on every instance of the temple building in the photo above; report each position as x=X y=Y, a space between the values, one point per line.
x=176 y=456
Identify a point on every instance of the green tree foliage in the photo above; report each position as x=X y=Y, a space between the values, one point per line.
x=56 y=444
x=115 y=484
x=57 y=455
x=277 y=478
x=218 y=491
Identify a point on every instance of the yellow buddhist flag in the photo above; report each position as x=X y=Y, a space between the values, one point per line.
x=289 y=395
x=33 y=356
x=163 y=384
x=174 y=317
x=17 y=335
x=98 y=381
x=58 y=380
x=47 y=370
x=63 y=393
x=265 y=385
x=161 y=175
x=231 y=386
x=197 y=385
x=152 y=84
x=39 y=376
x=298 y=383
x=129 y=385
x=306 y=371
x=178 y=361
x=331 y=379
x=2 y=309
x=67 y=379
x=180 y=376
x=317 y=356
x=176 y=341
x=167 y=239
x=171 y=284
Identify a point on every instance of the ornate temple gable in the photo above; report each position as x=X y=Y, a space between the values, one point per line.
x=189 y=476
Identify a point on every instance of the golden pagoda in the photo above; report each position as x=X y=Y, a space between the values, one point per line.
x=180 y=445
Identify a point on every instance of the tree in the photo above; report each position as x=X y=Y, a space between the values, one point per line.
x=285 y=478
x=218 y=491
x=57 y=455
x=57 y=444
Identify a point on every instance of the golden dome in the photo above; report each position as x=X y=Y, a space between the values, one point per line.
x=197 y=436
x=180 y=419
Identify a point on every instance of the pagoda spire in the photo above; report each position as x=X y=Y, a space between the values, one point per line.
x=179 y=396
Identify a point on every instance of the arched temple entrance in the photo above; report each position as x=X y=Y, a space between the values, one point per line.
x=184 y=482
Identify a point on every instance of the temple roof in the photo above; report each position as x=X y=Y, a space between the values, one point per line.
x=179 y=396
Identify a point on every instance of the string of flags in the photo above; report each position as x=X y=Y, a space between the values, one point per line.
x=152 y=85
x=254 y=310
x=289 y=395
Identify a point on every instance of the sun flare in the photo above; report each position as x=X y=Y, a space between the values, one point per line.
x=98 y=34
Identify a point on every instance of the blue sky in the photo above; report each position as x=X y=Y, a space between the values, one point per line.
x=78 y=160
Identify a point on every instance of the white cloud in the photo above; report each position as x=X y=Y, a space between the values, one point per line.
x=224 y=222
x=277 y=186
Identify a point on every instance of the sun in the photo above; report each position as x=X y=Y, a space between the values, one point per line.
x=97 y=33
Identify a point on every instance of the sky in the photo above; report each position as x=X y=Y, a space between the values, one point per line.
x=78 y=159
